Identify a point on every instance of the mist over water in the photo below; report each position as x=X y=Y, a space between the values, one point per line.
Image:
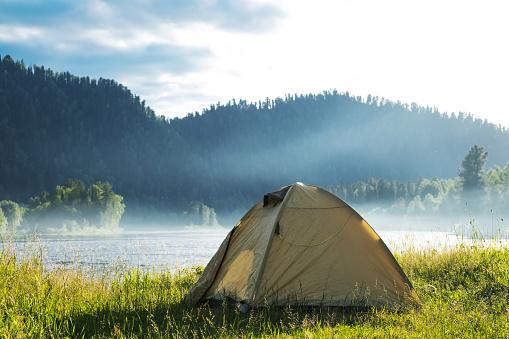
x=466 y=221
x=175 y=248
x=163 y=244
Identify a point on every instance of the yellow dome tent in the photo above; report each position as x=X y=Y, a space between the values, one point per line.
x=303 y=245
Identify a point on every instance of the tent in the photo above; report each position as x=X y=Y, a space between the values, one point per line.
x=303 y=245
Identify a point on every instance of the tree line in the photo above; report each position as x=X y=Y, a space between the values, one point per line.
x=485 y=191
x=55 y=125
x=68 y=208
x=73 y=208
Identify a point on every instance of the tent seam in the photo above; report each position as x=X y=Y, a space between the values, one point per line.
x=269 y=246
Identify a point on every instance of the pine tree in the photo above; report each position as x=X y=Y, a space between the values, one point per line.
x=471 y=171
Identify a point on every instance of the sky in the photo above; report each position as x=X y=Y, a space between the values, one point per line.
x=181 y=56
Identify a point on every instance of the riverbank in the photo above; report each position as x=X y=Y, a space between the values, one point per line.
x=464 y=290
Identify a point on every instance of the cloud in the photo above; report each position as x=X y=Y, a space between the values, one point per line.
x=229 y=15
x=183 y=55
x=108 y=36
x=148 y=60
x=156 y=47
x=34 y=12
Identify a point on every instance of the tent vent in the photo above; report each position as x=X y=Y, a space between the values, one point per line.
x=276 y=196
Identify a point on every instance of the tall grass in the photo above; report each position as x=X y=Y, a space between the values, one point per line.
x=464 y=290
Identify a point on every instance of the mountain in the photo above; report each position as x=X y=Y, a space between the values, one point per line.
x=55 y=126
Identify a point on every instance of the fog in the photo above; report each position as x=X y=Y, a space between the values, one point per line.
x=188 y=238
x=459 y=222
x=476 y=214
x=488 y=223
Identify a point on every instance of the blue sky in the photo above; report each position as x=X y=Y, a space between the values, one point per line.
x=181 y=56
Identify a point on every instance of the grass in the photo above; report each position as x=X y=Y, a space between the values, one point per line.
x=464 y=290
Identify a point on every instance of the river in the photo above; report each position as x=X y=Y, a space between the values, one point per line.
x=172 y=250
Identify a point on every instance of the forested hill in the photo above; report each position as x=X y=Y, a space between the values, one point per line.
x=55 y=126
x=333 y=137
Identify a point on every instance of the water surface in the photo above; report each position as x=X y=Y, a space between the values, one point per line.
x=172 y=250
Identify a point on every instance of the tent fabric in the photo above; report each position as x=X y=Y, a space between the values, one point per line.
x=309 y=248
x=209 y=274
